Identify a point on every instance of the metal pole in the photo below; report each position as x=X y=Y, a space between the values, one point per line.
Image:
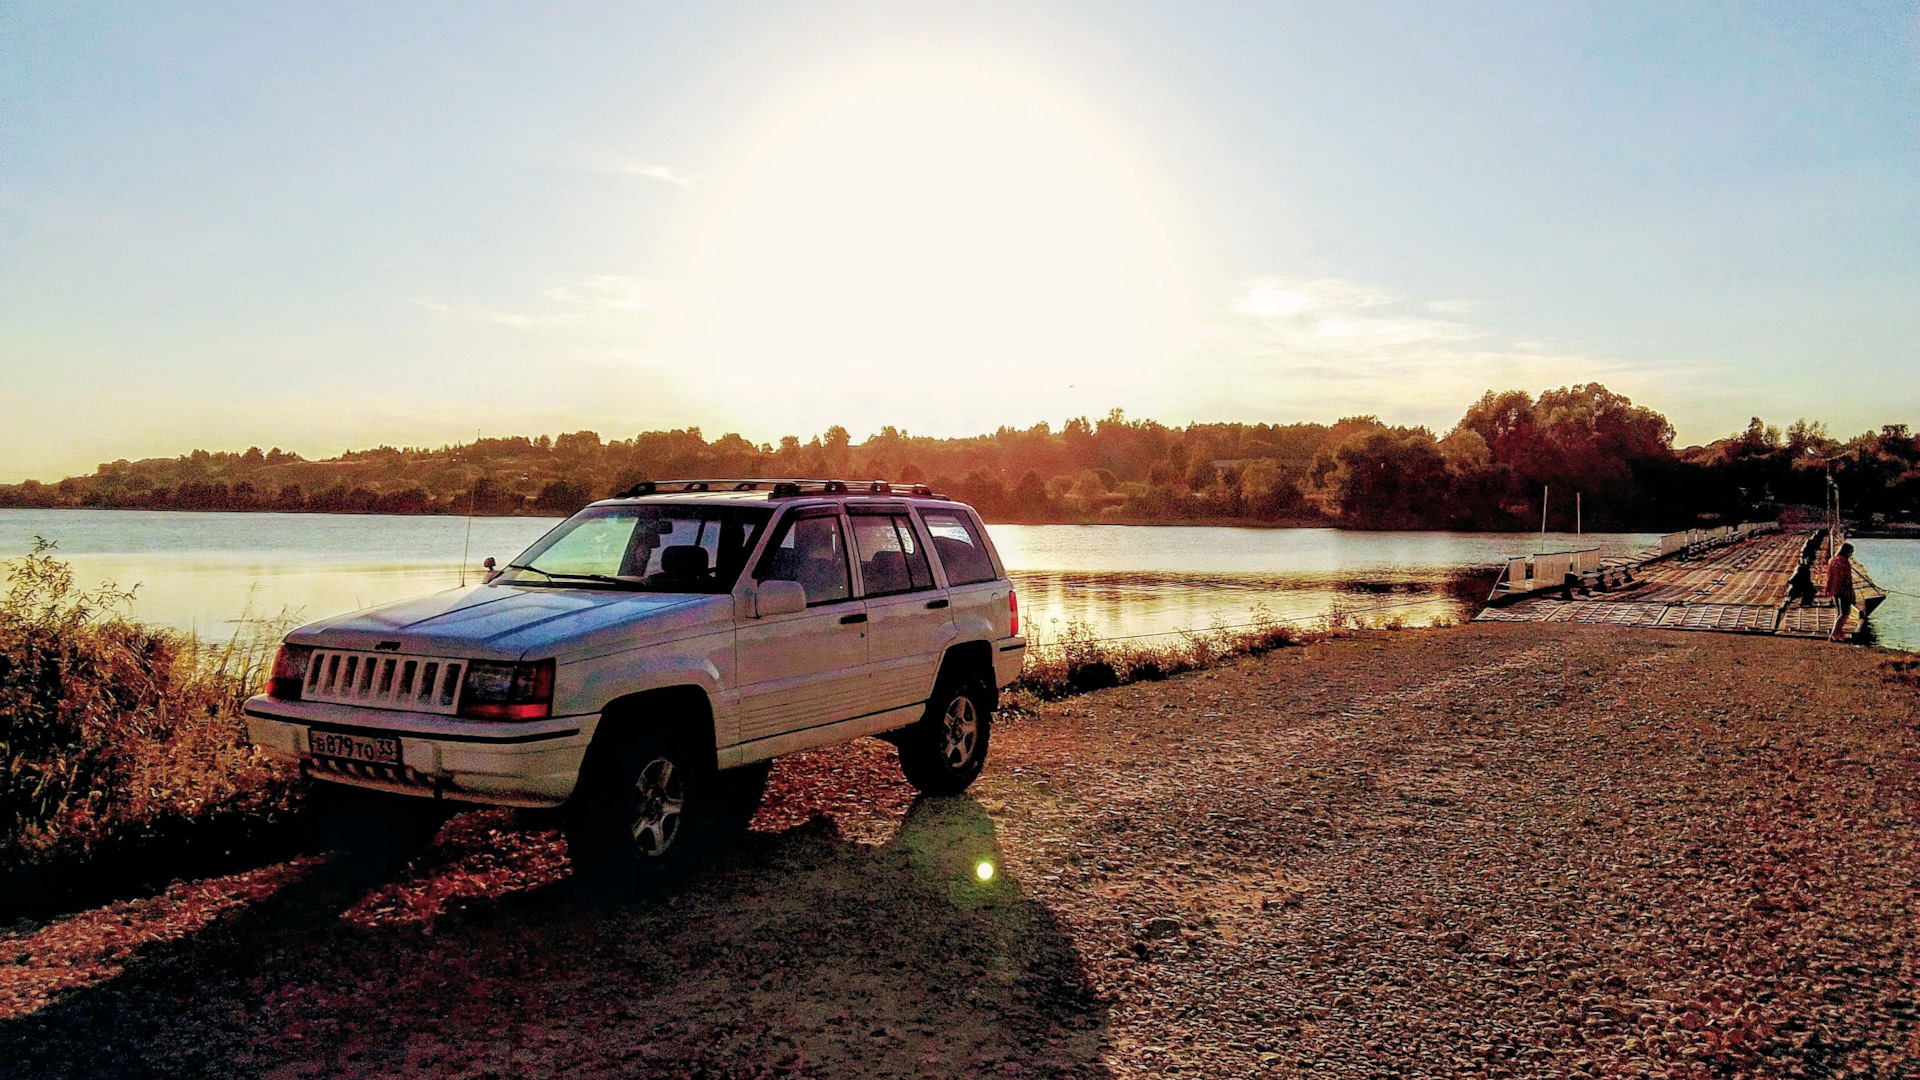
x=1545 y=489
x=1577 y=530
x=1830 y=519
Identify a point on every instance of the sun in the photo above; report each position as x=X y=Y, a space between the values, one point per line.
x=913 y=238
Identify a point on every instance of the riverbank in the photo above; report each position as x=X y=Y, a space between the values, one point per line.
x=1530 y=850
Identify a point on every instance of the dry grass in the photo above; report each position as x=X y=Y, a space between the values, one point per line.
x=112 y=732
x=1078 y=662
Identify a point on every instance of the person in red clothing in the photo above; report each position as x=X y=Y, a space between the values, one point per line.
x=1840 y=587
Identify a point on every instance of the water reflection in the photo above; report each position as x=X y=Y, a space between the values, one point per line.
x=1130 y=604
x=202 y=571
x=1121 y=581
x=1895 y=567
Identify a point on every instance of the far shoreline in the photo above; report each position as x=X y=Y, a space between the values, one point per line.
x=1209 y=522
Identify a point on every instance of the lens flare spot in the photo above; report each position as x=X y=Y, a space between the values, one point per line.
x=983 y=870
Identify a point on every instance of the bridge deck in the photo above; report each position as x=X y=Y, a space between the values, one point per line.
x=1739 y=589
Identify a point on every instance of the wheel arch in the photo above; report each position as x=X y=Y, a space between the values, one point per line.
x=686 y=705
x=970 y=658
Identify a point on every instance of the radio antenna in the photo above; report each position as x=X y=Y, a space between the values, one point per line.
x=466 y=549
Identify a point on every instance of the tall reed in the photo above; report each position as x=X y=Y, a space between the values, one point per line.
x=110 y=730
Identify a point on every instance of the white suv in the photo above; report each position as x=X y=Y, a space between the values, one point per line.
x=642 y=664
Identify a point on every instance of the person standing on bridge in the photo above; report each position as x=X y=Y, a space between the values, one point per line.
x=1800 y=586
x=1840 y=587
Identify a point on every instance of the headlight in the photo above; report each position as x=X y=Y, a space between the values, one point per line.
x=493 y=691
x=289 y=672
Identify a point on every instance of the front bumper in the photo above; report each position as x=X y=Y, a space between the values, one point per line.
x=523 y=764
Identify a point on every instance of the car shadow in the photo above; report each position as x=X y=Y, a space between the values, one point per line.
x=803 y=953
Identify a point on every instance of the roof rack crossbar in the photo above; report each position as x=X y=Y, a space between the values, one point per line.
x=780 y=487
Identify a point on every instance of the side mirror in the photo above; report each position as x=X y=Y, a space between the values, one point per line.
x=778 y=598
x=488 y=564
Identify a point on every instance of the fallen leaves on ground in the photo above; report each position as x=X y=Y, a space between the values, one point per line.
x=1500 y=851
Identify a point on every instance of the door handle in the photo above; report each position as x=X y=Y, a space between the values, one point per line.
x=931 y=604
x=858 y=616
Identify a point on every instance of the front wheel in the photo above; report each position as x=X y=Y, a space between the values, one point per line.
x=651 y=808
x=945 y=750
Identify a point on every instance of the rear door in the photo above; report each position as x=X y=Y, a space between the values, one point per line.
x=807 y=668
x=908 y=624
x=976 y=588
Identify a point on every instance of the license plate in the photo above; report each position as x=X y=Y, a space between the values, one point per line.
x=377 y=750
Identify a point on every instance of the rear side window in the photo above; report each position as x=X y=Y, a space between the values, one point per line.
x=958 y=543
x=891 y=560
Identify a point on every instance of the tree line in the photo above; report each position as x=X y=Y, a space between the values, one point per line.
x=1486 y=473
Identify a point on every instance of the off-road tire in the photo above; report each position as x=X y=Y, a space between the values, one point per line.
x=946 y=748
x=370 y=830
x=651 y=808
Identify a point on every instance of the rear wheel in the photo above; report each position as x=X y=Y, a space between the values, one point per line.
x=653 y=808
x=945 y=750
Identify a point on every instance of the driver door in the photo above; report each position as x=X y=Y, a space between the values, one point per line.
x=806 y=668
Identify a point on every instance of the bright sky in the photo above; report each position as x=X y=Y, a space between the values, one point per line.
x=327 y=227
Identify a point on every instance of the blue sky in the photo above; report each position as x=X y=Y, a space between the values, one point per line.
x=321 y=228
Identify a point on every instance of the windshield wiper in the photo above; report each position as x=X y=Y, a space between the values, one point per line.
x=553 y=576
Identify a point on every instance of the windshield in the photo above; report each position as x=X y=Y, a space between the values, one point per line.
x=688 y=549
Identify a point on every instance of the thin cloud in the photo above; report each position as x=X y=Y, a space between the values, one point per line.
x=593 y=159
x=612 y=292
x=478 y=313
x=1330 y=345
x=609 y=316
x=655 y=172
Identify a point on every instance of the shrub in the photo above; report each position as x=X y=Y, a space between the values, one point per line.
x=109 y=730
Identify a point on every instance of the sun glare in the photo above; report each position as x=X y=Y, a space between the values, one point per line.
x=899 y=241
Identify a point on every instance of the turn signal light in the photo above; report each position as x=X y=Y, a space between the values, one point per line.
x=289 y=672
x=491 y=691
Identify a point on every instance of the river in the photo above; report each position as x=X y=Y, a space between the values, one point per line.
x=211 y=573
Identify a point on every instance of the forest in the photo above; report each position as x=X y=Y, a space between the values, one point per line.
x=1487 y=473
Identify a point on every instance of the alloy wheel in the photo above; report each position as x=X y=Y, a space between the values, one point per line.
x=960 y=733
x=661 y=797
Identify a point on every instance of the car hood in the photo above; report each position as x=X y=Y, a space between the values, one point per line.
x=508 y=622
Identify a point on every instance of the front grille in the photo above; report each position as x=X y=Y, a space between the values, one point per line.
x=382 y=681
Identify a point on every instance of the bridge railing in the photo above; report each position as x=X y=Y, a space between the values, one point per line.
x=1548 y=569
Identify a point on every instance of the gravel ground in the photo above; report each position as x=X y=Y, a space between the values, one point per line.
x=1504 y=850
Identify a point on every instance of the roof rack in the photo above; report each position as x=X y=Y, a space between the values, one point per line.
x=781 y=488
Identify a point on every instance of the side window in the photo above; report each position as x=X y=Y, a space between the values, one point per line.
x=917 y=569
x=811 y=551
x=959 y=546
x=890 y=558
